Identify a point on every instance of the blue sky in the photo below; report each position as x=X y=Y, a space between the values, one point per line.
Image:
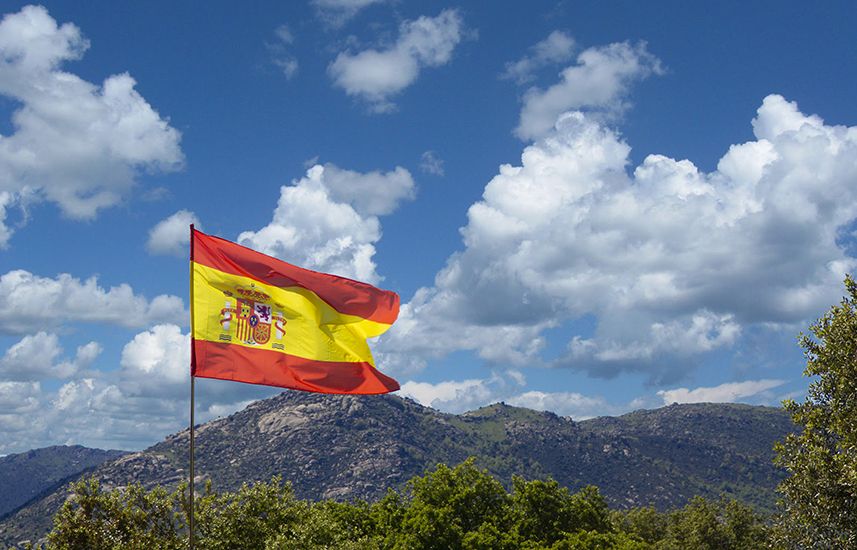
x=586 y=207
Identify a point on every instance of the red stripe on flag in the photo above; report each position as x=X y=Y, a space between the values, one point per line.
x=344 y=295
x=273 y=368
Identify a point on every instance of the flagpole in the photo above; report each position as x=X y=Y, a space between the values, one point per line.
x=191 y=486
x=192 y=407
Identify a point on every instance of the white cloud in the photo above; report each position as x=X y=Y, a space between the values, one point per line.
x=600 y=81
x=279 y=49
x=457 y=396
x=328 y=220
x=36 y=356
x=75 y=144
x=670 y=262
x=31 y=303
x=145 y=399
x=97 y=413
x=155 y=364
x=377 y=75
x=371 y=194
x=435 y=395
x=157 y=360
x=699 y=332
x=172 y=235
x=724 y=393
x=556 y=48
x=18 y=397
x=338 y=12
x=575 y=405
x=6 y=201
x=431 y=164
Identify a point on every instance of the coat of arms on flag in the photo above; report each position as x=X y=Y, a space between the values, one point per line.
x=252 y=320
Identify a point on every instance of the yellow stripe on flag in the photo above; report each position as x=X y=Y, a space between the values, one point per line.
x=311 y=328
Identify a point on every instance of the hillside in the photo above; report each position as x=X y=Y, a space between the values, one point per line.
x=347 y=447
x=26 y=476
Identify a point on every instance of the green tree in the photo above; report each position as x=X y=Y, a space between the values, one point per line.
x=448 y=508
x=130 y=517
x=646 y=523
x=249 y=517
x=447 y=504
x=706 y=525
x=593 y=540
x=329 y=525
x=544 y=512
x=819 y=498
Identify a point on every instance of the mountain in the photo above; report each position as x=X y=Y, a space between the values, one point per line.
x=346 y=447
x=27 y=476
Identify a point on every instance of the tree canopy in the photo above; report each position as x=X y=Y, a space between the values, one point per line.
x=449 y=508
x=819 y=504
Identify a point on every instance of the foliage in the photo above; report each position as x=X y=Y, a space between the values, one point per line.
x=645 y=523
x=130 y=517
x=460 y=508
x=448 y=504
x=248 y=518
x=820 y=496
x=705 y=525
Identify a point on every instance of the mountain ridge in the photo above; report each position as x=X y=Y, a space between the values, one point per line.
x=350 y=447
x=27 y=476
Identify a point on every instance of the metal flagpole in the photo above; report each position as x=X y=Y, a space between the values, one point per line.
x=191 y=487
x=192 y=364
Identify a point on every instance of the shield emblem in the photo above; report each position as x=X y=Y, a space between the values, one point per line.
x=262 y=333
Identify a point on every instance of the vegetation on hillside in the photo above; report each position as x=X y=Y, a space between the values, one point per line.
x=355 y=447
x=446 y=509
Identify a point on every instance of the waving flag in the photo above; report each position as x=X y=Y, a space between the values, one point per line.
x=260 y=320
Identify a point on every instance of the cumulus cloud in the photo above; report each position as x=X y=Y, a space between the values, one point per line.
x=145 y=399
x=30 y=303
x=19 y=405
x=376 y=75
x=18 y=398
x=573 y=404
x=669 y=261
x=697 y=333
x=370 y=194
x=157 y=361
x=171 y=236
x=457 y=396
x=37 y=356
x=328 y=220
x=460 y=393
x=98 y=413
x=337 y=12
x=599 y=82
x=724 y=393
x=556 y=48
x=76 y=144
x=155 y=364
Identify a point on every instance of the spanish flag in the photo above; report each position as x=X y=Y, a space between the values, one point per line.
x=259 y=320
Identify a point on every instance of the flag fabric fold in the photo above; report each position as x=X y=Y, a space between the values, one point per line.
x=260 y=320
